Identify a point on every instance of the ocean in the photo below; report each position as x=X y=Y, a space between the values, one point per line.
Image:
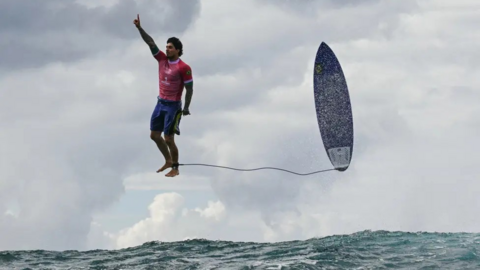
x=361 y=250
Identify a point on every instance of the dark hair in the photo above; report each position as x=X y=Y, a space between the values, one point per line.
x=177 y=44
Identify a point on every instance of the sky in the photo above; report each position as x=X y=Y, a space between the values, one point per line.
x=78 y=86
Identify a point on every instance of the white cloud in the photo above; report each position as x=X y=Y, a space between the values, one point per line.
x=169 y=220
x=215 y=211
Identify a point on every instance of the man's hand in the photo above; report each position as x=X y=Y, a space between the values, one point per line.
x=148 y=39
x=137 y=21
x=186 y=111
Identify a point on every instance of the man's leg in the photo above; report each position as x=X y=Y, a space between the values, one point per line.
x=170 y=141
x=156 y=136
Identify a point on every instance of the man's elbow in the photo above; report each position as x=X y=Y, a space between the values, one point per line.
x=151 y=44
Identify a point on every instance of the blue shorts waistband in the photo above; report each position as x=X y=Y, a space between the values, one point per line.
x=166 y=101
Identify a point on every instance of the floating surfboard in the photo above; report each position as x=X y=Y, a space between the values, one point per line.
x=334 y=111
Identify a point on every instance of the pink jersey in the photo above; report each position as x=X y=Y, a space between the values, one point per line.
x=173 y=75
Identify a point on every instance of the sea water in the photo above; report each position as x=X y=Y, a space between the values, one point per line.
x=362 y=250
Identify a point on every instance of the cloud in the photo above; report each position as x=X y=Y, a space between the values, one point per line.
x=64 y=128
x=37 y=33
x=151 y=181
x=169 y=220
x=74 y=120
x=406 y=105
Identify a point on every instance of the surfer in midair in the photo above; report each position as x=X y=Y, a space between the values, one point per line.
x=174 y=76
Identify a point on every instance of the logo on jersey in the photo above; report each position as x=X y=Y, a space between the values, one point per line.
x=166 y=81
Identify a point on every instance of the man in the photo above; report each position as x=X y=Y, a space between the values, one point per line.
x=174 y=75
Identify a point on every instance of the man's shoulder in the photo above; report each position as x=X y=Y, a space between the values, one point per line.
x=183 y=65
x=186 y=72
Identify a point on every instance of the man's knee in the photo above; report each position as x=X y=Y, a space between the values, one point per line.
x=156 y=135
x=169 y=140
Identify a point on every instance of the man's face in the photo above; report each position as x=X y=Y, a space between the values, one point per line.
x=170 y=50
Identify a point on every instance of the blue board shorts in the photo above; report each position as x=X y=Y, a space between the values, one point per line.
x=166 y=116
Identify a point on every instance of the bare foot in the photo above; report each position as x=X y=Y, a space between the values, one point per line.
x=172 y=173
x=168 y=164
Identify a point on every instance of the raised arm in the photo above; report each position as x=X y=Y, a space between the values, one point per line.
x=148 y=39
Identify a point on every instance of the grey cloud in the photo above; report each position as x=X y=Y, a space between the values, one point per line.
x=313 y=27
x=55 y=138
x=316 y=7
x=35 y=33
x=55 y=191
x=60 y=161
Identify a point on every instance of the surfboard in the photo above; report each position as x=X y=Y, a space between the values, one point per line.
x=333 y=107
